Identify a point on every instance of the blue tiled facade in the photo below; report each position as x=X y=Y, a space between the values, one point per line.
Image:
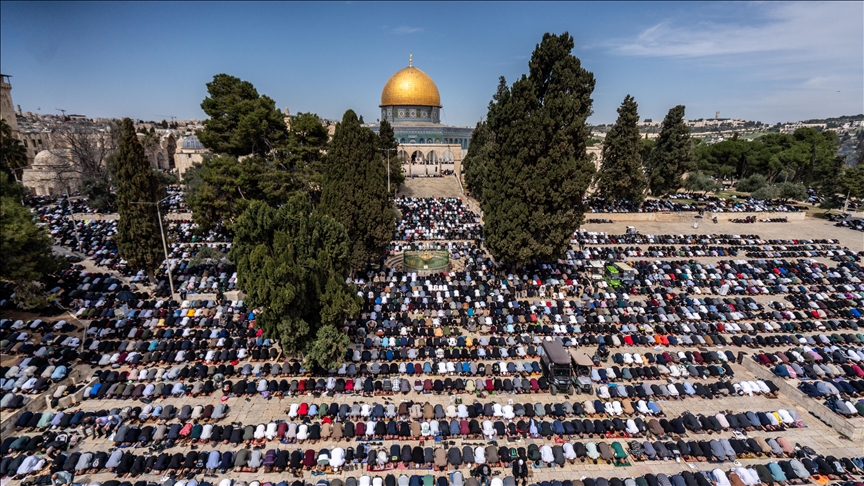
x=422 y=124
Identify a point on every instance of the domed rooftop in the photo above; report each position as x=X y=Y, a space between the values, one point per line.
x=47 y=158
x=412 y=87
x=191 y=142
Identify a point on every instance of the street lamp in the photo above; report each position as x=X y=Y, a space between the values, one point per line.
x=162 y=233
x=388 y=150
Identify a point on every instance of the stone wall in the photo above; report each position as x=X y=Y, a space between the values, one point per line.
x=679 y=217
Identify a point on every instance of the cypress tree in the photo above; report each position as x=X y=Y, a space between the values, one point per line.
x=672 y=155
x=474 y=164
x=292 y=263
x=138 y=236
x=535 y=179
x=354 y=191
x=621 y=176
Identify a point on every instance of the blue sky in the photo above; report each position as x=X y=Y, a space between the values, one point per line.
x=764 y=61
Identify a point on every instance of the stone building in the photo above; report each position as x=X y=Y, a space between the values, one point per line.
x=50 y=175
x=160 y=150
x=7 y=109
x=189 y=151
x=411 y=103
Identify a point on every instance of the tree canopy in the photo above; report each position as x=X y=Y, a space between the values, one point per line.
x=701 y=182
x=852 y=182
x=139 y=239
x=306 y=146
x=474 y=163
x=87 y=149
x=219 y=189
x=621 y=175
x=672 y=154
x=13 y=155
x=752 y=183
x=292 y=263
x=539 y=171
x=26 y=248
x=354 y=190
x=241 y=122
x=806 y=156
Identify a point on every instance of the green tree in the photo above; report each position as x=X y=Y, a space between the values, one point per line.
x=646 y=146
x=100 y=190
x=388 y=144
x=328 y=349
x=621 y=175
x=13 y=155
x=765 y=193
x=700 y=182
x=219 y=189
x=241 y=122
x=724 y=158
x=788 y=190
x=474 y=164
x=26 y=248
x=535 y=179
x=100 y=195
x=752 y=183
x=307 y=144
x=354 y=191
x=292 y=263
x=850 y=184
x=672 y=155
x=858 y=155
x=139 y=239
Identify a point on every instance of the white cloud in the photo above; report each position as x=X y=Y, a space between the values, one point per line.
x=792 y=31
x=793 y=57
x=406 y=30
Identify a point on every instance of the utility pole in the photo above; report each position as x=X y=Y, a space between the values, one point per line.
x=388 y=150
x=71 y=217
x=164 y=243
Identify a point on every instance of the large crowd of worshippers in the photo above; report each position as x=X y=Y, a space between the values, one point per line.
x=435 y=219
x=163 y=379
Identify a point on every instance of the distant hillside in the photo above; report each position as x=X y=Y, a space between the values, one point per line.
x=836 y=121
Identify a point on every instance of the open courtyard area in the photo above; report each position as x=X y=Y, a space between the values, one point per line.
x=459 y=376
x=541 y=257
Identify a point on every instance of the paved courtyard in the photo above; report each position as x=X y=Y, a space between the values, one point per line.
x=256 y=409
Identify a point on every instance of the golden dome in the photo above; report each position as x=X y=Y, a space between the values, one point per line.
x=410 y=86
